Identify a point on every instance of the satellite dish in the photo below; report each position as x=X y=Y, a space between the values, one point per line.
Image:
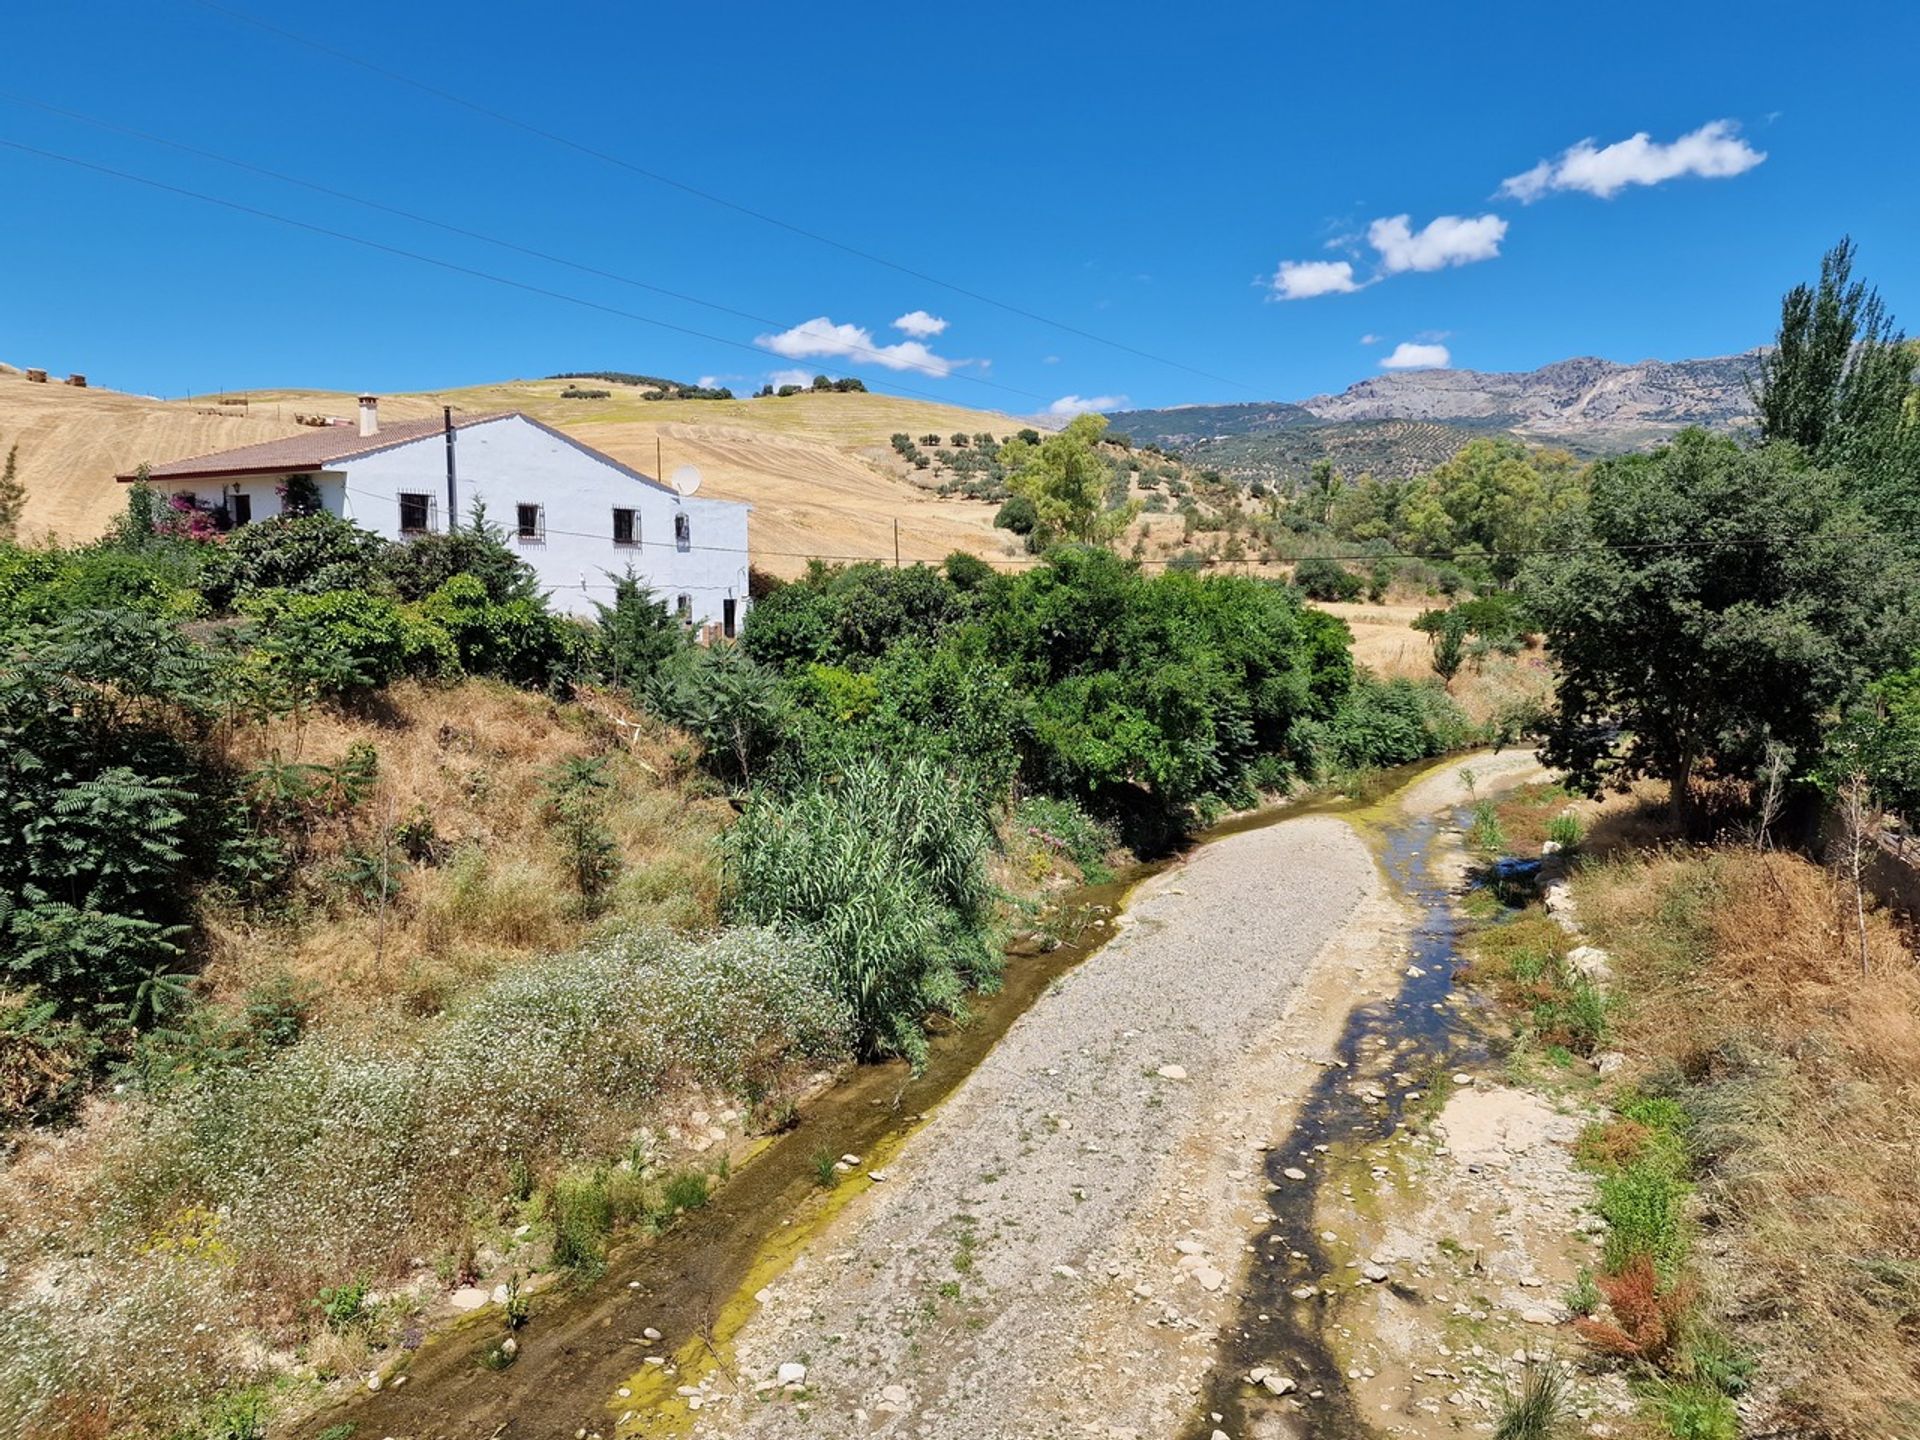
x=686 y=479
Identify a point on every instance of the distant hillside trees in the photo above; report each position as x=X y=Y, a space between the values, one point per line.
x=662 y=388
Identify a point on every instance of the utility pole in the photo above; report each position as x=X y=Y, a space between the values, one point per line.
x=896 y=544
x=453 y=494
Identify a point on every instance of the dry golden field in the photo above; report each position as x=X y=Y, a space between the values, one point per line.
x=817 y=468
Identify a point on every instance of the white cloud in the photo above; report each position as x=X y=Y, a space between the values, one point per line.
x=1409 y=356
x=1067 y=406
x=777 y=378
x=821 y=337
x=920 y=325
x=1304 y=279
x=1446 y=240
x=1369 y=339
x=1049 y=359
x=1713 y=152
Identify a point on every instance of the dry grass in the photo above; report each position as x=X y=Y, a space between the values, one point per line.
x=1744 y=995
x=817 y=468
x=469 y=764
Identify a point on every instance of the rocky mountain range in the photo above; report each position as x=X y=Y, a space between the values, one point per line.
x=1408 y=421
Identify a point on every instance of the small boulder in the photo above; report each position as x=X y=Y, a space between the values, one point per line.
x=791 y=1372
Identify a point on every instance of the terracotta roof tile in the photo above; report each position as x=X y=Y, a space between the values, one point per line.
x=314 y=450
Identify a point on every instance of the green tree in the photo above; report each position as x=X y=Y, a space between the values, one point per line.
x=13 y=496
x=1839 y=384
x=1065 y=477
x=1449 y=639
x=1322 y=492
x=142 y=516
x=579 y=795
x=1496 y=497
x=1720 y=599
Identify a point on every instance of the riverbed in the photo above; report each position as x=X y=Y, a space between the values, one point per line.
x=1048 y=1231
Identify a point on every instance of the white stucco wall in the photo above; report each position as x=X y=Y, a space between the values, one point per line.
x=508 y=462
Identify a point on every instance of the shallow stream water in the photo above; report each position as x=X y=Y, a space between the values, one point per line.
x=1405 y=1045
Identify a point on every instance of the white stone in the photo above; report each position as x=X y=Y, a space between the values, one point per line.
x=1294 y=1172
x=1279 y=1385
x=468 y=1297
x=791 y=1372
x=1592 y=962
x=1171 y=1072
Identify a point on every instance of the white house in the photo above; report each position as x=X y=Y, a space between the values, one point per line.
x=578 y=517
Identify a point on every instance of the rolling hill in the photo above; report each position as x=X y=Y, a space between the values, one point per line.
x=1409 y=421
x=817 y=468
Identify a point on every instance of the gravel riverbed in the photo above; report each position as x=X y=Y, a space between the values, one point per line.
x=973 y=1292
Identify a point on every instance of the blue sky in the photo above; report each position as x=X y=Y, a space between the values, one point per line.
x=1126 y=171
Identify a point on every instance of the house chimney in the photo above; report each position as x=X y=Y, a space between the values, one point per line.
x=369 y=415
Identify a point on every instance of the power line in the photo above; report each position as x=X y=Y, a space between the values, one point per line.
x=1520 y=553
x=859 y=351
x=514 y=122
x=414 y=255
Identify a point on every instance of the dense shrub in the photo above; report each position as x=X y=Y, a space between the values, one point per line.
x=41 y=587
x=344 y=643
x=518 y=640
x=112 y=814
x=307 y=554
x=1017 y=515
x=1389 y=722
x=1322 y=579
x=1136 y=695
x=420 y=566
x=633 y=637
x=881 y=866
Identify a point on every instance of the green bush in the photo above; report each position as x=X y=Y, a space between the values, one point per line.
x=519 y=640
x=345 y=642
x=1644 y=1207
x=478 y=548
x=115 y=817
x=1388 y=722
x=1321 y=579
x=315 y=554
x=1017 y=515
x=1063 y=826
x=1696 y=1412
x=582 y=1214
x=882 y=866
x=734 y=707
x=39 y=588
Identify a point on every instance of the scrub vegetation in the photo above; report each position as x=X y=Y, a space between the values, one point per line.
x=372 y=926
